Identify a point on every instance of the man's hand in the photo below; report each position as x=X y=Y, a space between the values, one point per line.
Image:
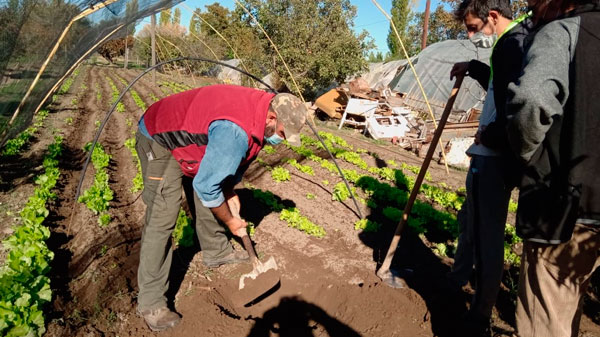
x=459 y=69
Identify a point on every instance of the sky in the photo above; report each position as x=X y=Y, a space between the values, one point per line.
x=368 y=16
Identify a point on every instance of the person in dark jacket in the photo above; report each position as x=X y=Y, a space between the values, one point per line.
x=210 y=135
x=484 y=212
x=554 y=130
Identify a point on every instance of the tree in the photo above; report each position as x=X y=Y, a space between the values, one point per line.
x=217 y=16
x=194 y=27
x=315 y=38
x=375 y=57
x=401 y=14
x=165 y=17
x=519 y=7
x=442 y=26
x=176 y=17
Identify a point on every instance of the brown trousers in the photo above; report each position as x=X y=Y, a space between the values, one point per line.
x=553 y=281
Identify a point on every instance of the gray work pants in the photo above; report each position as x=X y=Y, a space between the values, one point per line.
x=162 y=195
x=482 y=221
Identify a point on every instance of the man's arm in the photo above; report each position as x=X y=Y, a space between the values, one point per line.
x=542 y=90
x=480 y=72
x=475 y=69
x=226 y=148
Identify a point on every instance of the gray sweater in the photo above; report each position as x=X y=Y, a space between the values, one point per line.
x=554 y=127
x=542 y=91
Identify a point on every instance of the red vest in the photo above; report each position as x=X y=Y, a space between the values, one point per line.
x=180 y=122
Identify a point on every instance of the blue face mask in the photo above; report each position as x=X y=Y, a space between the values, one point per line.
x=274 y=139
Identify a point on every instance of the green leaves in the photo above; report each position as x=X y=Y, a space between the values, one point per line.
x=268 y=199
x=314 y=37
x=340 y=192
x=184 y=230
x=269 y=149
x=24 y=288
x=280 y=174
x=98 y=196
x=115 y=95
x=366 y=225
x=302 y=168
x=138 y=180
x=295 y=220
x=290 y=215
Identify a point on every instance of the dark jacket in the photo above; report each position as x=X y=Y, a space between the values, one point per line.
x=506 y=61
x=180 y=122
x=555 y=128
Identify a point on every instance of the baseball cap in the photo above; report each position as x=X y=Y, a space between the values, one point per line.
x=292 y=113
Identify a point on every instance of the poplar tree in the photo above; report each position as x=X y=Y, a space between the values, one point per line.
x=401 y=15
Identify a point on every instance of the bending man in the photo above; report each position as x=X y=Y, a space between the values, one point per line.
x=211 y=134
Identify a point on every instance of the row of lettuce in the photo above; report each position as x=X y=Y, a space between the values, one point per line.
x=24 y=284
x=385 y=191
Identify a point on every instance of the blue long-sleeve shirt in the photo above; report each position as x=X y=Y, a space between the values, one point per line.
x=226 y=148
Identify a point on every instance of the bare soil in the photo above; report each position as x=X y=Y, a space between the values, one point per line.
x=327 y=286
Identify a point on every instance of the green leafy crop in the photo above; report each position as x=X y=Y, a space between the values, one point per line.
x=280 y=174
x=512 y=206
x=302 y=168
x=268 y=199
x=295 y=220
x=98 y=196
x=269 y=149
x=184 y=230
x=138 y=180
x=366 y=225
x=340 y=192
x=24 y=286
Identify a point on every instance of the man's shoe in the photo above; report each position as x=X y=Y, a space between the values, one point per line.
x=235 y=256
x=160 y=319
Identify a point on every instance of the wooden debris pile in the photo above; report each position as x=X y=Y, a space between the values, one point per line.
x=389 y=108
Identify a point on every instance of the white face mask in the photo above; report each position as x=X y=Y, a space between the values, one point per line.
x=481 y=40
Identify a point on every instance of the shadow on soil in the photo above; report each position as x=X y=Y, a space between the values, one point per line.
x=423 y=271
x=16 y=170
x=295 y=317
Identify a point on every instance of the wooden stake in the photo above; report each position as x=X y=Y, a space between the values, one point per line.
x=384 y=272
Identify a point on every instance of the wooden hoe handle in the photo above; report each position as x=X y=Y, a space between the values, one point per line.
x=385 y=267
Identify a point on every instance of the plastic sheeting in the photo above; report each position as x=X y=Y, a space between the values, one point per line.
x=380 y=74
x=433 y=67
x=30 y=30
x=226 y=74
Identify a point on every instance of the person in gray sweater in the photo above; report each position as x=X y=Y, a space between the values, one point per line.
x=554 y=131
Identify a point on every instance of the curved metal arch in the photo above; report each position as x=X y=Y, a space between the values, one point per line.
x=124 y=91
